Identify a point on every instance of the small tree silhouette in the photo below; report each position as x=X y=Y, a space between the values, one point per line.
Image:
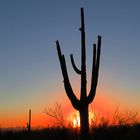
x=57 y=114
x=82 y=104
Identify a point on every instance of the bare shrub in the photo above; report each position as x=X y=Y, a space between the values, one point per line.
x=118 y=117
x=125 y=118
x=57 y=114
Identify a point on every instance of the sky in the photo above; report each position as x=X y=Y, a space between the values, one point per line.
x=30 y=73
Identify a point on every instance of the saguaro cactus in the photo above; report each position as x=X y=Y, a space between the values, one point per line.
x=29 y=121
x=85 y=99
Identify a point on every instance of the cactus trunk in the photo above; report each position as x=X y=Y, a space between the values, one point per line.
x=29 y=122
x=82 y=104
x=84 y=123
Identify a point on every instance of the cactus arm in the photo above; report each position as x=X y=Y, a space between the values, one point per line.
x=75 y=102
x=95 y=70
x=73 y=64
x=92 y=93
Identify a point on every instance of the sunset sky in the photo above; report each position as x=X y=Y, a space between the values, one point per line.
x=30 y=73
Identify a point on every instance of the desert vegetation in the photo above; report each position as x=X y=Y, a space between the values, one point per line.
x=102 y=128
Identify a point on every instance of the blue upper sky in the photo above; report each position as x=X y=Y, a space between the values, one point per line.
x=29 y=65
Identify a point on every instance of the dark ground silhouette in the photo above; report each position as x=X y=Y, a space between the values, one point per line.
x=120 y=132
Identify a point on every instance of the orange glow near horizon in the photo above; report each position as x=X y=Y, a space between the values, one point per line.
x=97 y=110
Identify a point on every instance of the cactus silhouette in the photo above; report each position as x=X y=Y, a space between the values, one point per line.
x=82 y=104
x=29 y=122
